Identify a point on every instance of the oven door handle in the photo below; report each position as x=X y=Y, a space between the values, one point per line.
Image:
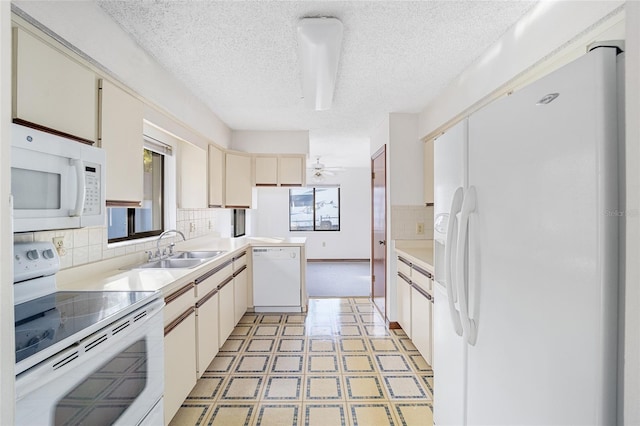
x=81 y=187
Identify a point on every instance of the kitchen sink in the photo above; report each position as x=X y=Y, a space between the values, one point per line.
x=197 y=254
x=172 y=263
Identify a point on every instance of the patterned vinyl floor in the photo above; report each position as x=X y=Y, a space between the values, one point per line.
x=335 y=365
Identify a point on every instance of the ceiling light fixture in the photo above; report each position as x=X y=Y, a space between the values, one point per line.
x=319 y=41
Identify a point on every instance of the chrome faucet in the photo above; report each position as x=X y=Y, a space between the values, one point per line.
x=158 y=253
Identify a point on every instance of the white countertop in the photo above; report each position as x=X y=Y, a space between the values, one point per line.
x=115 y=274
x=419 y=252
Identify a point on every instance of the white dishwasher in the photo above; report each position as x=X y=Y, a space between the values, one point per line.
x=276 y=279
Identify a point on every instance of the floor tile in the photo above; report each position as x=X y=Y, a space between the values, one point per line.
x=392 y=363
x=278 y=415
x=371 y=414
x=419 y=363
x=357 y=364
x=325 y=414
x=352 y=345
x=261 y=345
x=295 y=319
x=266 y=330
x=291 y=345
x=346 y=319
x=414 y=413
x=271 y=319
x=293 y=330
x=232 y=414
x=322 y=363
x=191 y=414
x=349 y=330
x=322 y=345
x=249 y=318
x=207 y=388
x=407 y=344
x=283 y=388
x=242 y=388
x=404 y=387
x=253 y=364
x=383 y=345
x=363 y=387
x=232 y=345
x=221 y=364
x=242 y=330
x=376 y=330
x=323 y=388
x=288 y=364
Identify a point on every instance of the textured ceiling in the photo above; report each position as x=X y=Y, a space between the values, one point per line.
x=240 y=58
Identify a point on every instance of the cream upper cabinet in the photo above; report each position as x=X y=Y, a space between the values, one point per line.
x=192 y=177
x=291 y=171
x=266 y=170
x=428 y=172
x=216 y=176
x=238 y=180
x=121 y=136
x=53 y=90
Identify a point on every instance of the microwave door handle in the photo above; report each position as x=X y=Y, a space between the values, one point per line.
x=81 y=187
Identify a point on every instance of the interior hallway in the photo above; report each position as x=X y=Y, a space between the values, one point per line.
x=335 y=365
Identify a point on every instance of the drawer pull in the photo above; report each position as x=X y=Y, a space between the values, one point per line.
x=176 y=322
x=173 y=296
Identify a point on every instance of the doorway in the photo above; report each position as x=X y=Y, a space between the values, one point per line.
x=379 y=230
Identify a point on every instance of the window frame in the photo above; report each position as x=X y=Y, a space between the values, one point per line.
x=131 y=211
x=314 y=188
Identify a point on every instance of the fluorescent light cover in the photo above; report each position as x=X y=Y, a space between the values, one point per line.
x=319 y=41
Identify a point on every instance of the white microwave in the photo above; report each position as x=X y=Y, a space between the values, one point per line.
x=56 y=183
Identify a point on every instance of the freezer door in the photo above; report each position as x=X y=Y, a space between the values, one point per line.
x=449 y=350
x=543 y=251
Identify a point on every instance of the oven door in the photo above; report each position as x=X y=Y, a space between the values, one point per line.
x=116 y=380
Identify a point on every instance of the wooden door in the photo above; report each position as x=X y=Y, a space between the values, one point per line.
x=379 y=231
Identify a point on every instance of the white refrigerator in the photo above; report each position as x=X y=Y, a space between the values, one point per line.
x=526 y=254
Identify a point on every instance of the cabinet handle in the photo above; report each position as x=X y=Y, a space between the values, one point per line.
x=173 y=296
x=176 y=322
x=225 y=282
x=206 y=297
x=239 y=271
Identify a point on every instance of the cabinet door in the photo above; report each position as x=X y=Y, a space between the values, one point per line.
x=404 y=304
x=266 y=170
x=421 y=324
x=216 y=176
x=207 y=330
x=179 y=362
x=192 y=177
x=428 y=172
x=241 y=293
x=226 y=316
x=291 y=171
x=238 y=180
x=121 y=136
x=53 y=90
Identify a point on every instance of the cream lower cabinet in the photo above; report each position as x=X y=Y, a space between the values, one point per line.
x=403 y=286
x=226 y=311
x=421 y=323
x=241 y=292
x=207 y=330
x=179 y=349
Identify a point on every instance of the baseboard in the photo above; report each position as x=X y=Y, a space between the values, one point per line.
x=336 y=260
x=394 y=325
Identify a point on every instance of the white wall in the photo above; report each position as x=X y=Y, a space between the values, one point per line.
x=353 y=239
x=122 y=58
x=270 y=142
x=406 y=161
x=551 y=33
x=7 y=354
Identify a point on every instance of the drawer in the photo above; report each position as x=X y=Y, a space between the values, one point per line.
x=421 y=278
x=404 y=266
x=212 y=279
x=239 y=260
x=178 y=302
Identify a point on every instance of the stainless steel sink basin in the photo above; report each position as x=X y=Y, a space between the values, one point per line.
x=197 y=254
x=171 y=264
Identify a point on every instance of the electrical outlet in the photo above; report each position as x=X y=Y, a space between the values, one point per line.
x=192 y=227
x=58 y=243
x=324 y=244
x=420 y=228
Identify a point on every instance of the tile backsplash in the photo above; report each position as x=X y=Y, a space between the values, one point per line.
x=405 y=220
x=86 y=245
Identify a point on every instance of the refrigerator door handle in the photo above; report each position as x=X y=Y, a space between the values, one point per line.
x=456 y=206
x=468 y=207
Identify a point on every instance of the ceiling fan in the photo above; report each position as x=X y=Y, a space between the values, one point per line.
x=319 y=171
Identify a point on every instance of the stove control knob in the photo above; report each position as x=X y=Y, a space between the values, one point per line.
x=33 y=255
x=48 y=254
